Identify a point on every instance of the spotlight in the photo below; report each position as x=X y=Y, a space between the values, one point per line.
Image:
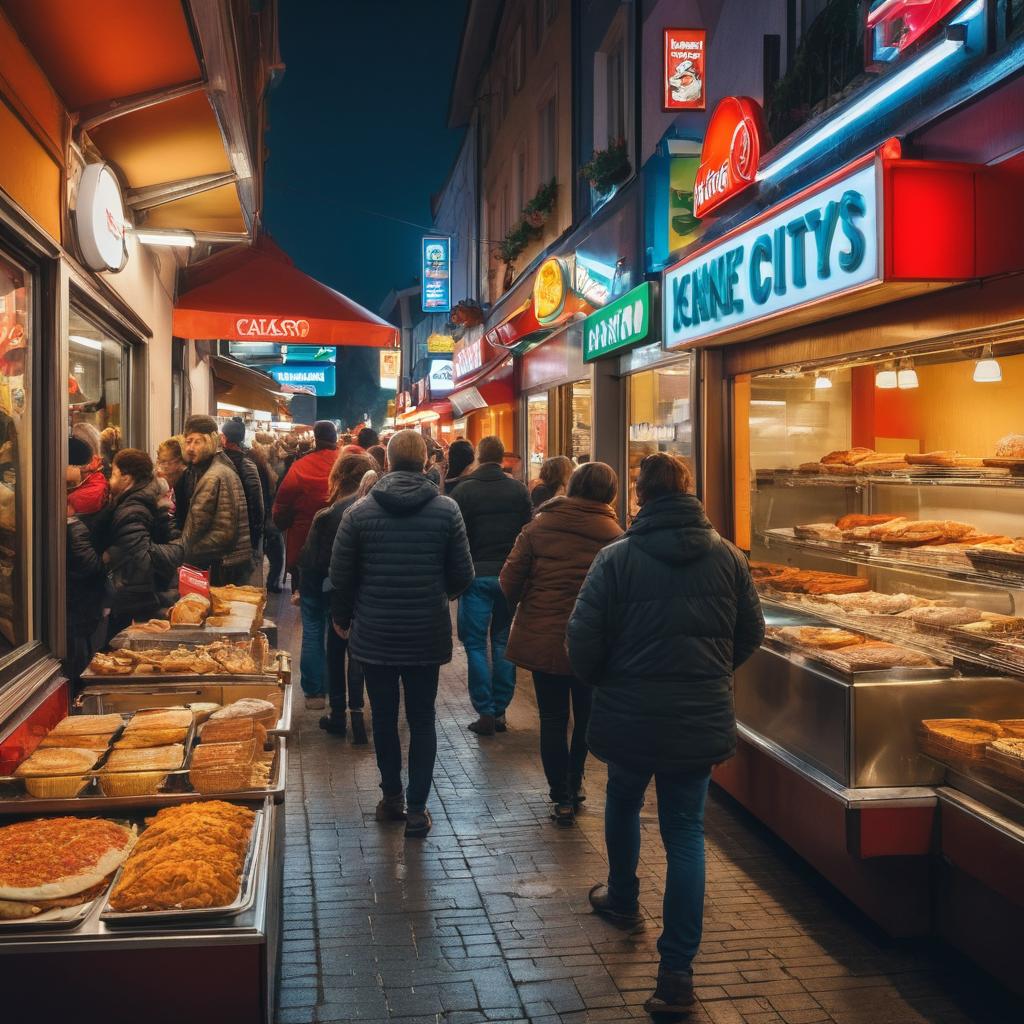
x=822 y=382
x=906 y=378
x=987 y=369
x=886 y=378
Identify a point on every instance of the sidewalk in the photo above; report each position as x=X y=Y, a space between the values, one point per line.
x=488 y=918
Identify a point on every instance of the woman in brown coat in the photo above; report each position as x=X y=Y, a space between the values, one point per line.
x=541 y=578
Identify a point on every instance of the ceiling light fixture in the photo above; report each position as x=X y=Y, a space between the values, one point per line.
x=906 y=377
x=886 y=378
x=822 y=382
x=987 y=369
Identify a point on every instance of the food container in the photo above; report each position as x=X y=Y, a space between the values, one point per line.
x=957 y=739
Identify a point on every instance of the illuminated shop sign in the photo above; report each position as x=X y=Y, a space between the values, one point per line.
x=440 y=377
x=440 y=343
x=269 y=328
x=894 y=25
x=318 y=379
x=623 y=322
x=735 y=137
x=436 y=290
x=817 y=248
x=100 y=219
x=469 y=356
x=685 y=69
x=310 y=353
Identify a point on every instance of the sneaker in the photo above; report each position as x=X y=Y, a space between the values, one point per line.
x=563 y=814
x=391 y=808
x=334 y=725
x=483 y=726
x=418 y=824
x=500 y=725
x=315 y=703
x=673 y=993
x=624 y=917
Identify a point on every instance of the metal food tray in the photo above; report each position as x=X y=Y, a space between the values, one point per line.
x=90 y=800
x=216 y=678
x=189 y=635
x=48 y=923
x=244 y=901
x=91 y=700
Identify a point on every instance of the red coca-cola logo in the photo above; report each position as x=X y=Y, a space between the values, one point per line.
x=735 y=137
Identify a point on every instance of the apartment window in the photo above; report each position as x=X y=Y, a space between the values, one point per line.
x=517 y=59
x=612 y=86
x=547 y=140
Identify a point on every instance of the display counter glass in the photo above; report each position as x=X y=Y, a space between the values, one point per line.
x=885 y=521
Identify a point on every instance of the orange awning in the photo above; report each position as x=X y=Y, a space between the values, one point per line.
x=258 y=294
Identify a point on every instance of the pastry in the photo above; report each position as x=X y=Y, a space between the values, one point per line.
x=87 y=725
x=246 y=595
x=940 y=615
x=1010 y=447
x=191 y=610
x=847 y=456
x=825 y=638
x=110 y=665
x=872 y=603
x=202 y=710
x=818 y=531
x=166 y=757
x=247 y=707
x=230 y=730
x=934 y=459
x=223 y=755
x=152 y=626
x=856 y=520
x=159 y=718
x=151 y=738
x=870 y=657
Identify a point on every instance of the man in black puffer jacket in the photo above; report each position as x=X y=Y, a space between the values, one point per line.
x=232 y=435
x=665 y=616
x=399 y=557
x=142 y=546
x=495 y=508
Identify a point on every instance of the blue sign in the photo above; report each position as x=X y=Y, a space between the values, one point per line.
x=436 y=290
x=311 y=354
x=311 y=378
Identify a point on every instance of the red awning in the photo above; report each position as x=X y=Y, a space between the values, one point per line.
x=257 y=294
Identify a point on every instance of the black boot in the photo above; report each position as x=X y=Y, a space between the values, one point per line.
x=391 y=808
x=334 y=724
x=483 y=726
x=358 y=729
x=673 y=994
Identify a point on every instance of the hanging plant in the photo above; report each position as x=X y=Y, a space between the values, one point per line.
x=539 y=208
x=514 y=244
x=467 y=313
x=607 y=167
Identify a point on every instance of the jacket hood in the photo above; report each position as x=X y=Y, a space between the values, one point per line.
x=673 y=528
x=487 y=472
x=576 y=516
x=403 y=492
x=147 y=494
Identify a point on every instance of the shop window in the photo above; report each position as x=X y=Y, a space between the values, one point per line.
x=660 y=418
x=16 y=542
x=181 y=386
x=547 y=140
x=581 y=421
x=98 y=382
x=536 y=434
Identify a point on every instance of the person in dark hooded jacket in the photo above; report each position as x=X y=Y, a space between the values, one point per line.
x=400 y=556
x=142 y=546
x=664 y=617
x=232 y=436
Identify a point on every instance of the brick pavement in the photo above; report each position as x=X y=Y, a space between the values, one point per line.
x=487 y=920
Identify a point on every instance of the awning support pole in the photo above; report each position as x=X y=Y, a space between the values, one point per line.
x=169 y=191
x=92 y=117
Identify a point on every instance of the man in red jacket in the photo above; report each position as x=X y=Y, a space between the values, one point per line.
x=303 y=491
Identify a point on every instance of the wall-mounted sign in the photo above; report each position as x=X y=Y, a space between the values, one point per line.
x=550 y=288
x=736 y=134
x=894 y=25
x=436 y=290
x=819 y=247
x=100 y=220
x=390 y=367
x=468 y=357
x=623 y=322
x=468 y=400
x=440 y=377
x=685 y=69
x=317 y=379
x=271 y=328
x=310 y=353
x=440 y=343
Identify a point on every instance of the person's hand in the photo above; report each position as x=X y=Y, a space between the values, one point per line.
x=343 y=633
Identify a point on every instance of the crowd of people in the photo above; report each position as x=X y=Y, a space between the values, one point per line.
x=631 y=637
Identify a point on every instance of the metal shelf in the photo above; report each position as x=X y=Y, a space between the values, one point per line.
x=955 y=478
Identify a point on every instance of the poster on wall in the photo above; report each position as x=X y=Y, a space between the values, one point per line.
x=685 y=69
x=437 y=274
x=390 y=364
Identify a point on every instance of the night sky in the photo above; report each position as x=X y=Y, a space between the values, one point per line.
x=358 y=142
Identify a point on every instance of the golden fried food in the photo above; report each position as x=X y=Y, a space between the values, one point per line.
x=188 y=884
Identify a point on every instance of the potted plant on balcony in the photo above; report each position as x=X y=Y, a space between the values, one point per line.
x=607 y=167
x=510 y=248
x=539 y=208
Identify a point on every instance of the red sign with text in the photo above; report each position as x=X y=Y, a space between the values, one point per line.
x=685 y=69
x=898 y=23
x=735 y=137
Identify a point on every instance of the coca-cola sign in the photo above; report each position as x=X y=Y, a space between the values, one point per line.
x=270 y=327
x=736 y=135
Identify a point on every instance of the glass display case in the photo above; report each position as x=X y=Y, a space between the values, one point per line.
x=885 y=521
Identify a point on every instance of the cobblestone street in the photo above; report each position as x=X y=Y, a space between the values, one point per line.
x=488 y=918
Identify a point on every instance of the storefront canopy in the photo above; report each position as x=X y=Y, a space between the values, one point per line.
x=246 y=388
x=257 y=294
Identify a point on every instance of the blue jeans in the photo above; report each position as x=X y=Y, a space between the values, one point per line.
x=483 y=609
x=681 y=817
x=316 y=617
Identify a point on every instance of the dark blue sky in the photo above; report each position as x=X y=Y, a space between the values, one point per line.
x=358 y=137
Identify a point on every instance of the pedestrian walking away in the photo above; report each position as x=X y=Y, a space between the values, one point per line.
x=461 y=457
x=495 y=508
x=318 y=671
x=664 y=617
x=303 y=491
x=554 y=479
x=541 y=579
x=215 y=534
x=400 y=556
x=232 y=437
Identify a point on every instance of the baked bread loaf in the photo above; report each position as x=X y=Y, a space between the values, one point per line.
x=856 y=520
x=934 y=459
x=233 y=730
x=87 y=725
x=191 y=610
x=151 y=738
x=847 y=456
x=817 y=531
x=247 y=707
x=872 y=603
x=58 y=761
x=202 y=710
x=166 y=758
x=159 y=718
x=1010 y=447
x=822 y=637
x=940 y=615
x=872 y=657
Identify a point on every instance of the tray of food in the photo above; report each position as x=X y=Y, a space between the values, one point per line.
x=958 y=740
x=53 y=871
x=139 y=637
x=151 y=757
x=190 y=863
x=789 y=580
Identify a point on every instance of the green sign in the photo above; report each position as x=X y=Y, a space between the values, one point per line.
x=624 y=321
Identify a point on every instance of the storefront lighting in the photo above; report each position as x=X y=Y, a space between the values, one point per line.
x=886 y=378
x=80 y=339
x=906 y=377
x=181 y=239
x=822 y=382
x=956 y=38
x=227 y=407
x=987 y=369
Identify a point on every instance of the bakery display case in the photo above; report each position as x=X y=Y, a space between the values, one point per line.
x=882 y=504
